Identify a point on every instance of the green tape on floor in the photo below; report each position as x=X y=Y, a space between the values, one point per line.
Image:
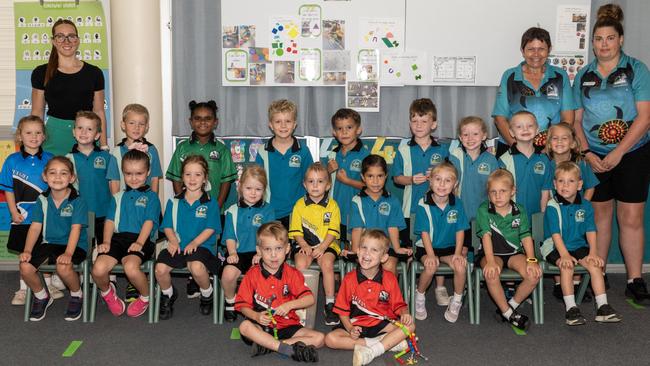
x=234 y=334
x=634 y=304
x=72 y=348
x=518 y=331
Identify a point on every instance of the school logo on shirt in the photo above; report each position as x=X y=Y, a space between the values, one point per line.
x=214 y=155
x=436 y=159
x=539 y=168
x=294 y=161
x=99 y=163
x=552 y=91
x=355 y=166
x=327 y=217
x=580 y=215
x=142 y=201
x=384 y=296
x=384 y=208
x=620 y=80
x=484 y=169
x=515 y=223
x=67 y=210
x=285 y=290
x=201 y=212
x=257 y=220
x=452 y=217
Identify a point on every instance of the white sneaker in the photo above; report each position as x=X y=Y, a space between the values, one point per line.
x=401 y=346
x=56 y=282
x=420 y=309
x=19 y=297
x=54 y=292
x=362 y=355
x=453 y=310
x=442 y=297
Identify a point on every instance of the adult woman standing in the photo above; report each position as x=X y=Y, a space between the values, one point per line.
x=534 y=86
x=613 y=116
x=68 y=85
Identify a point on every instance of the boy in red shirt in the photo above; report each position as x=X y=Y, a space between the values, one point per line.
x=269 y=296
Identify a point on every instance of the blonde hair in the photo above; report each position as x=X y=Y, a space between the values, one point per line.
x=575 y=150
x=568 y=167
x=137 y=109
x=523 y=113
x=253 y=171
x=472 y=119
x=21 y=123
x=318 y=167
x=91 y=116
x=273 y=229
x=500 y=174
x=445 y=165
x=378 y=235
x=283 y=106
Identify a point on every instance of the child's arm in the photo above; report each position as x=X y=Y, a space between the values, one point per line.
x=109 y=227
x=231 y=247
x=491 y=269
x=299 y=303
x=567 y=261
x=178 y=186
x=356 y=237
x=224 y=189
x=320 y=249
x=342 y=177
x=355 y=331
x=458 y=251
x=428 y=247
x=393 y=234
x=593 y=255
x=261 y=317
x=305 y=248
x=405 y=317
x=295 y=230
x=173 y=246
x=155 y=183
x=145 y=231
x=114 y=186
x=16 y=217
x=196 y=242
x=32 y=235
x=73 y=240
x=529 y=248
x=546 y=196
x=589 y=193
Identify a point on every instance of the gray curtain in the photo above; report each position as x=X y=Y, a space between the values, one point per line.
x=196 y=30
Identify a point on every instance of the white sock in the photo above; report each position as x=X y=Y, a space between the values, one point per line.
x=169 y=292
x=48 y=280
x=457 y=297
x=377 y=349
x=41 y=294
x=630 y=280
x=576 y=283
x=370 y=341
x=601 y=300
x=207 y=292
x=23 y=285
x=329 y=299
x=112 y=278
x=419 y=296
x=507 y=313
x=569 y=301
x=230 y=304
x=513 y=304
x=104 y=293
x=76 y=293
x=144 y=298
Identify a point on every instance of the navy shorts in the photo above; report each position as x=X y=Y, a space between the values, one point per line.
x=201 y=254
x=245 y=262
x=578 y=254
x=46 y=252
x=440 y=252
x=18 y=237
x=284 y=333
x=369 y=332
x=120 y=243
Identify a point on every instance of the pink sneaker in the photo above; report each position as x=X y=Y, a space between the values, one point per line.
x=137 y=308
x=114 y=303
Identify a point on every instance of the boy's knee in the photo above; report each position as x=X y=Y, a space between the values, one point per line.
x=131 y=266
x=196 y=267
x=161 y=269
x=26 y=268
x=246 y=327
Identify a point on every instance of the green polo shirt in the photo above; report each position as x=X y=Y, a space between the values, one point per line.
x=507 y=231
x=221 y=169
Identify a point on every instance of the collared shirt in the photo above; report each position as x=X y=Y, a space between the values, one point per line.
x=193 y=219
x=507 y=231
x=22 y=175
x=533 y=175
x=259 y=289
x=285 y=174
x=421 y=161
x=221 y=168
x=249 y=219
x=382 y=214
x=313 y=221
x=59 y=220
x=351 y=164
x=472 y=177
x=609 y=102
x=589 y=179
x=573 y=221
x=154 y=161
x=367 y=300
x=92 y=174
x=136 y=207
x=444 y=224
x=547 y=103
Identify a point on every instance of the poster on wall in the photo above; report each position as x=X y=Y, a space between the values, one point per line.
x=33 y=28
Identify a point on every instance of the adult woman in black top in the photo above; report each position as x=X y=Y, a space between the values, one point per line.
x=67 y=85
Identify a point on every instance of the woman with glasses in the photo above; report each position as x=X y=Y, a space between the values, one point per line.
x=67 y=85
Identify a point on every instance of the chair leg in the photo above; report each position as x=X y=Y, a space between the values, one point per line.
x=28 y=303
x=470 y=294
x=536 y=305
x=85 y=287
x=477 y=295
x=152 y=282
x=413 y=275
x=405 y=282
x=216 y=304
x=222 y=308
x=156 y=305
x=584 y=284
x=538 y=300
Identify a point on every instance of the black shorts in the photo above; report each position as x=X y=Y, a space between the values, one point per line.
x=201 y=254
x=295 y=248
x=467 y=241
x=369 y=332
x=628 y=181
x=344 y=235
x=99 y=229
x=120 y=244
x=284 y=333
x=405 y=234
x=578 y=254
x=505 y=258
x=245 y=262
x=46 y=252
x=18 y=237
x=400 y=257
x=440 y=252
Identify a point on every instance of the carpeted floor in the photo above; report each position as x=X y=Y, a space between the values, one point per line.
x=191 y=339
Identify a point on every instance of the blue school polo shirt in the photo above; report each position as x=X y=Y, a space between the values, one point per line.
x=381 y=214
x=351 y=164
x=589 y=179
x=22 y=175
x=57 y=224
x=92 y=175
x=472 y=177
x=154 y=160
x=249 y=219
x=609 y=102
x=285 y=174
x=136 y=207
x=532 y=176
x=516 y=94
x=420 y=162
x=192 y=219
x=444 y=223
x=572 y=220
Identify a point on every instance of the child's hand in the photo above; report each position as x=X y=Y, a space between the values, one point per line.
x=263 y=318
x=407 y=251
x=173 y=248
x=191 y=248
x=64 y=258
x=567 y=262
x=256 y=259
x=103 y=248
x=17 y=218
x=317 y=252
x=406 y=319
x=306 y=250
x=491 y=270
x=332 y=166
x=25 y=257
x=341 y=175
x=283 y=309
x=431 y=261
x=355 y=332
x=419 y=178
x=595 y=260
x=459 y=261
x=345 y=252
x=533 y=269
x=135 y=247
x=233 y=259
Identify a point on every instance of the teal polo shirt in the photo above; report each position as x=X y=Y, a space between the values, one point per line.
x=136 y=207
x=154 y=161
x=285 y=174
x=351 y=164
x=382 y=214
x=473 y=176
x=192 y=220
x=507 y=231
x=532 y=176
x=248 y=219
x=609 y=102
x=589 y=179
x=58 y=222
x=92 y=175
x=572 y=220
x=444 y=223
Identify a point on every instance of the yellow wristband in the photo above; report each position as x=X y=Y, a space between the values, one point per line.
x=531 y=260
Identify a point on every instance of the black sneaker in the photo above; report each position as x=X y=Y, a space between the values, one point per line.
x=257 y=350
x=205 y=306
x=229 y=314
x=39 y=308
x=75 y=307
x=131 y=293
x=637 y=290
x=607 y=314
x=331 y=318
x=167 y=305
x=573 y=317
x=557 y=292
x=304 y=353
x=516 y=319
x=192 y=288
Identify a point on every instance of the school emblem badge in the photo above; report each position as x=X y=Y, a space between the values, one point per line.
x=384 y=296
x=327 y=217
x=201 y=212
x=257 y=220
x=552 y=91
x=580 y=215
x=384 y=208
x=99 y=163
x=539 y=168
x=515 y=223
x=436 y=159
x=67 y=210
x=484 y=169
x=142 y=201
x=214 y=155
x=452 y=217
x=294 y=161
x=355 y=165
x=285 y=290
